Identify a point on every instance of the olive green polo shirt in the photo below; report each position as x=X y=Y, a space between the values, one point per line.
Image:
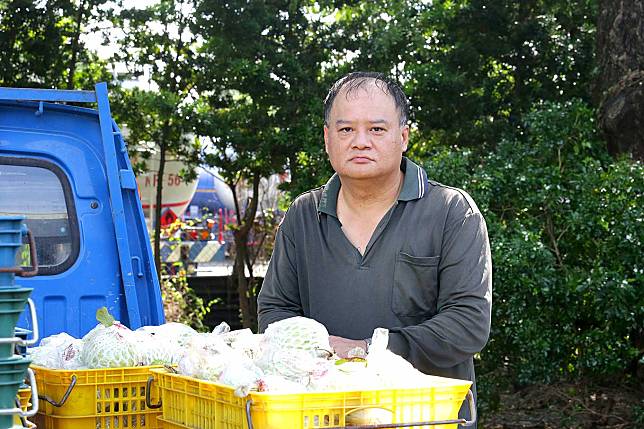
x=426 y=274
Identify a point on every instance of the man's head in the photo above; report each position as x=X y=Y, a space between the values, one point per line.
x=366 y=132
x=359 y=80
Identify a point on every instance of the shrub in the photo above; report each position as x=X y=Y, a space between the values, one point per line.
x=564 y=222
x=180 y=302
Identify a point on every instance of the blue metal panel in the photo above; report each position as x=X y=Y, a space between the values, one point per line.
x=128 y=181
x=118 y=211
x=114 y=266
x=29 y=94
x=145 y=274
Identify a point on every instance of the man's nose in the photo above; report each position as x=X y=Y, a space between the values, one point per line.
x=362 y=140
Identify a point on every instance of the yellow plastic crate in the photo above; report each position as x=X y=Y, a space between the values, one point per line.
x=198 y=404
x=24 y=395
x=109 y=398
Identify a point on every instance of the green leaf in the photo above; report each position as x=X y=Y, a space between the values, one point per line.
x=354 y=359
x=104 y=317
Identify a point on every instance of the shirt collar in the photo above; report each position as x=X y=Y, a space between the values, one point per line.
x=413 y=188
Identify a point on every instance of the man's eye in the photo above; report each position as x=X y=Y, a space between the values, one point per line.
x=346 y=130
x=378 y=130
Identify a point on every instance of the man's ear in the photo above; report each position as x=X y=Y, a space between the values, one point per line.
x=326 y=139
x=405 y=137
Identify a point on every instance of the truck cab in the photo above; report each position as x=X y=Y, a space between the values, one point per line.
x=66 y=169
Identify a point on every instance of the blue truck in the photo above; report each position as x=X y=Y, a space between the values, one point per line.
x=66 y=169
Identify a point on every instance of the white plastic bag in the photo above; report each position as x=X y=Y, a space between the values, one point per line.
x=205 y=357
x=53 y=352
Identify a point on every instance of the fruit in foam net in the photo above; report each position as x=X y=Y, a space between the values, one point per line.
x=110 y=344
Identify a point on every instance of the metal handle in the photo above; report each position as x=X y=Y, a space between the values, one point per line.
x=248 y=418
x=148 y=400
x=65 y=396
x=34 y=326
x=472 y=406
x=137 y=267
x=21 y=272
x=464 y=422
x=34 y=400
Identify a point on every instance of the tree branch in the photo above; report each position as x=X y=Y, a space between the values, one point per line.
x=553 y=240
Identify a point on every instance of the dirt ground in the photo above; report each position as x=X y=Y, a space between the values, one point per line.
x=569 y=406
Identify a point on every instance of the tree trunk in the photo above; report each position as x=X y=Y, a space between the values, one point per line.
x=158 y=207
x=620 y=86
x=247 y=295
x=75 y=44
x=248 y=318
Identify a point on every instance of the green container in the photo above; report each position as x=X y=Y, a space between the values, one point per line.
x=12 y=375
x=12 y=304
x=11 y=232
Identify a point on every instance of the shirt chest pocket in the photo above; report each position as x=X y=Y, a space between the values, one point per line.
x=415 y=287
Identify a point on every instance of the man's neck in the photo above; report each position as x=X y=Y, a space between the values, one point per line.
x=370 y=194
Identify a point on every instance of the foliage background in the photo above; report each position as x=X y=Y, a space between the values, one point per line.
x=566 y=247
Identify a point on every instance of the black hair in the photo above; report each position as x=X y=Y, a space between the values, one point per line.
x=356 y=80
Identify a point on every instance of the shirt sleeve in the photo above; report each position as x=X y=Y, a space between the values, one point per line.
x=461 y=326
x=279 y=297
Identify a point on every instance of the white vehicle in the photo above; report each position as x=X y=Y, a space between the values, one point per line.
x=176 y=194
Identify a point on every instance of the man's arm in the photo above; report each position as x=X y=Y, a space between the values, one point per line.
x=279 y=297
x=462 y=325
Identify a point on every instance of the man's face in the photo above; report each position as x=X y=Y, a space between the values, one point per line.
x=364 y=138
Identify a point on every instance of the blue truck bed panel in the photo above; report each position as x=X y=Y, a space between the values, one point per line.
x=95 y=246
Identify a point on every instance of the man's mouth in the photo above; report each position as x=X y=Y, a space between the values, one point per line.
x=361 y=159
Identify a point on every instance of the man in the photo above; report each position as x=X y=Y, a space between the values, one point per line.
x=380 y=245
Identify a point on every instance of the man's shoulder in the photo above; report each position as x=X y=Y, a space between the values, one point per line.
x=307 y=200
x=452 y=197
x=303 y=208
x=301 y=212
